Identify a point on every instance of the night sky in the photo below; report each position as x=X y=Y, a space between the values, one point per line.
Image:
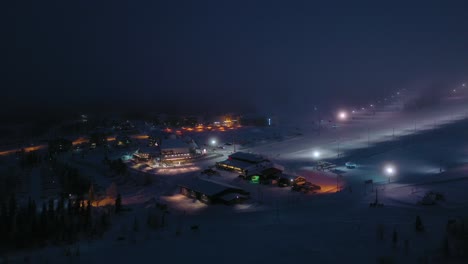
x=225 y=56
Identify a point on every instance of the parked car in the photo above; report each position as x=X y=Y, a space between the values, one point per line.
x=350 y=165
x=306 y=187
x=285 y=182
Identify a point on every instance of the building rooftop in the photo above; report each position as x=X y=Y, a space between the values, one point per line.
x=208 y=187
x=147 y=149
x=232 y=196
x=248 y=157
x=271 y=171
x=173 y=143
x=237 y=163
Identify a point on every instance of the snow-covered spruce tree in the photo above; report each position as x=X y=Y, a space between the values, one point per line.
x=418 y=225
x=118 y=203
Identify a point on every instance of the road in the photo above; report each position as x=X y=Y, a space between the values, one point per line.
x=78 y=141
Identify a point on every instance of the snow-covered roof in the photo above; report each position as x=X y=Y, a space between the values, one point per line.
x=248 y=157
x=193 y=145
x=147 y=149
x=271 y=171
x=231 y=196
x=173 y=143
x=237 y=163
x=208 y=187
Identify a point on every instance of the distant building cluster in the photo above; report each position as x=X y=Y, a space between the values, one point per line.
x=167 y=149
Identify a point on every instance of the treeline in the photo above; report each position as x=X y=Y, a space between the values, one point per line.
x=60 y=222
x=70 y=178
x=117 y=166
x=29 y=159
x=8 y=184
x=72 y=181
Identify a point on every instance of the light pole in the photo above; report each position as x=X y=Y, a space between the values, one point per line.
x=342 y=116
x=213 y=143
x=390 y=171
x=338 y=147
x=316 y=156
x=368 y=141
x=338 y=142
x=338 y=187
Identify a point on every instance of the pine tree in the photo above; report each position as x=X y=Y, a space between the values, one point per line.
x=91 y=195
x=418 y=224
x=395 y=238
x=12 y=206
x=70 y=207
x=51 y=209
x=104 y=221
x=380 y=232
x=88 y=214
x=3 y=222
x=29 y=206
x=43 y=225
x=148 y=220
x=406 y=246
x=111 y=191
x=446 y=248
x=135 y=225
x=118 y=203
x=77 y=207
x=60 y=205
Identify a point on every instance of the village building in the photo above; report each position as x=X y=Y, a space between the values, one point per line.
x=245 y=163
x=212 y=192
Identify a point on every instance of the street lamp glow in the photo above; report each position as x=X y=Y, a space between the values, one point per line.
x=390 y=170
x=316 y=154
x=342 y=115
x=213 y=141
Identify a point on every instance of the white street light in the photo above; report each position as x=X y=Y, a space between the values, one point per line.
x=342 y=115
x=316 y=154
x=389 y=170
x=213 y=141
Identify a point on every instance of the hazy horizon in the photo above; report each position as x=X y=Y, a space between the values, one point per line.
x=212 y=57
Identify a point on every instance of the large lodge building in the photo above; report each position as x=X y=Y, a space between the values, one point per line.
x=244 y=163
x=171 y=149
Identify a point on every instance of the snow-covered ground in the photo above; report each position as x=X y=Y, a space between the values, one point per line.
x=429 y=149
